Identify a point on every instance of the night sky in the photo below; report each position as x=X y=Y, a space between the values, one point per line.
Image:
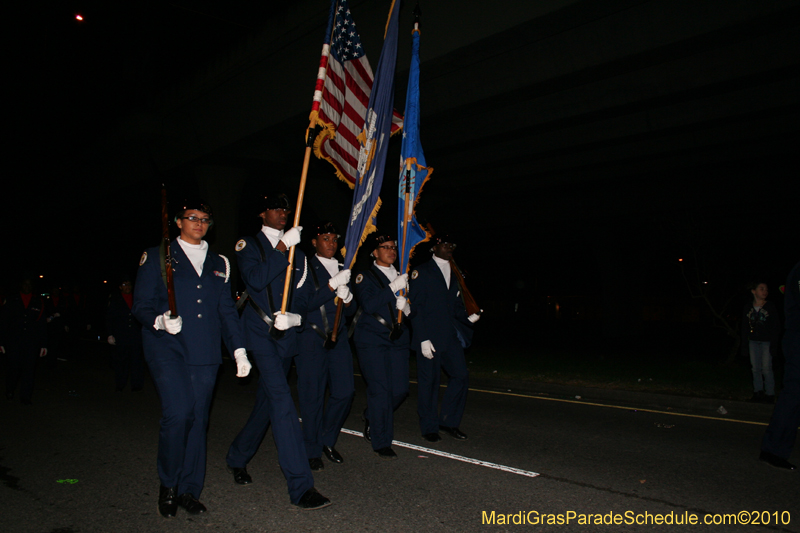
x=580 y=150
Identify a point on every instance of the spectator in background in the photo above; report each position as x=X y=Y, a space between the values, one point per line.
x=760 y=330
x=779 y=439
x=125 y=333
x=23 y=337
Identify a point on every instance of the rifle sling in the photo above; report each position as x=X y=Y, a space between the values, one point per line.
x=324 y=330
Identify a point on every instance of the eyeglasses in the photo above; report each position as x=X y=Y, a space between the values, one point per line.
x=388 y=248
x=195 y=219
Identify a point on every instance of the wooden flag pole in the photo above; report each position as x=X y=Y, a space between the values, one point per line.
x=406 y=220
x=300 y=194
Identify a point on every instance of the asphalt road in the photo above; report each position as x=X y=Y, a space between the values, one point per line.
x=82 y=459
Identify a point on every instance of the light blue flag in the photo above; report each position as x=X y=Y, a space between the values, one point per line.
x=414 y=172
x=374 y=140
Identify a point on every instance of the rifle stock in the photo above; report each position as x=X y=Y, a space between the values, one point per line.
x=469 y=302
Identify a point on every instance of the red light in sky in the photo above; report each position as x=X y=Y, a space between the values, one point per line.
x=679 y=260
x=79 y=17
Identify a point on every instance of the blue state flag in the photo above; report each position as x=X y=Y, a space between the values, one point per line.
x=374 y=141
x=414 y=172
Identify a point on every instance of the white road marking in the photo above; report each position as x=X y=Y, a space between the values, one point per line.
x=446 y=455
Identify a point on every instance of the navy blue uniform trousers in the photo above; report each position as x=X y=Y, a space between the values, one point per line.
x=185 y=392
x=385 y=369
x=274 y=405
x=450 y=358
x=318 y=369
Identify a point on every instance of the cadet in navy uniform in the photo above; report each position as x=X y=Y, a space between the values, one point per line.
x=125 y=334
x=382 y=345
x=184 y=353
x=23 y=336
x=780 y=437
x=319 y=367
x=442 y=330
x=263 y=260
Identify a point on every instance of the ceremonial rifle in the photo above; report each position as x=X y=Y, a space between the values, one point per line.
x=173 y=309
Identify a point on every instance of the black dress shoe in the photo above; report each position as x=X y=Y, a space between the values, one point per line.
x=453 y=432
x=316 y=464
x=311 y=500
x=366 y=426
x=190 y=503
x=332 y=455
x=240 y=475
x=386 y=453
x=778 y=462
x=167 y=501
x=432 y=437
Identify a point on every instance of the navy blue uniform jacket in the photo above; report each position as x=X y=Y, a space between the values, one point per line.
x=436 y=311
x=20 y=325
x=204 y=304
x=374 y=299
x=324 y=296
x=257 y=274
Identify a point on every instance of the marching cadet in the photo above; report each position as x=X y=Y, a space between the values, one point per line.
x=125 y=334
x=442 y=330
x=263 y=261
x=320 y=365
x=23 y=337
x=382 y=344
x=184 y=353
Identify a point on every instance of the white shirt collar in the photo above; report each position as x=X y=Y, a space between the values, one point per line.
x=390 y=272
x=331 y=265
x=273 y=235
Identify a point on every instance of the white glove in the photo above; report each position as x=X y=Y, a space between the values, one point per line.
x=427 y=349
x=400 y=303
x=42 y=352
x=170 y=325
x=400 y=282
x=474 y=317
x=344 y=294
x=286 y=321
x=292 y=237
x=342 y=278
x=111 y=340
x=243 y=366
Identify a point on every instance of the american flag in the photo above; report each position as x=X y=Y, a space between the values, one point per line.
x=344 y=84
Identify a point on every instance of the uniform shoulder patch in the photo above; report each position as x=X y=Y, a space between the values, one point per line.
x=414 y=275
x=359 y=278
x=240 y=245
x=143 y=259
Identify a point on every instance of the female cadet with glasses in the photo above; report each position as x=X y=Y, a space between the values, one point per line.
x=382 y=343
x=184 y=352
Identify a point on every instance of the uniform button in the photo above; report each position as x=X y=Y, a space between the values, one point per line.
x=199 y=301
x=200 y=316
x=199 y=286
